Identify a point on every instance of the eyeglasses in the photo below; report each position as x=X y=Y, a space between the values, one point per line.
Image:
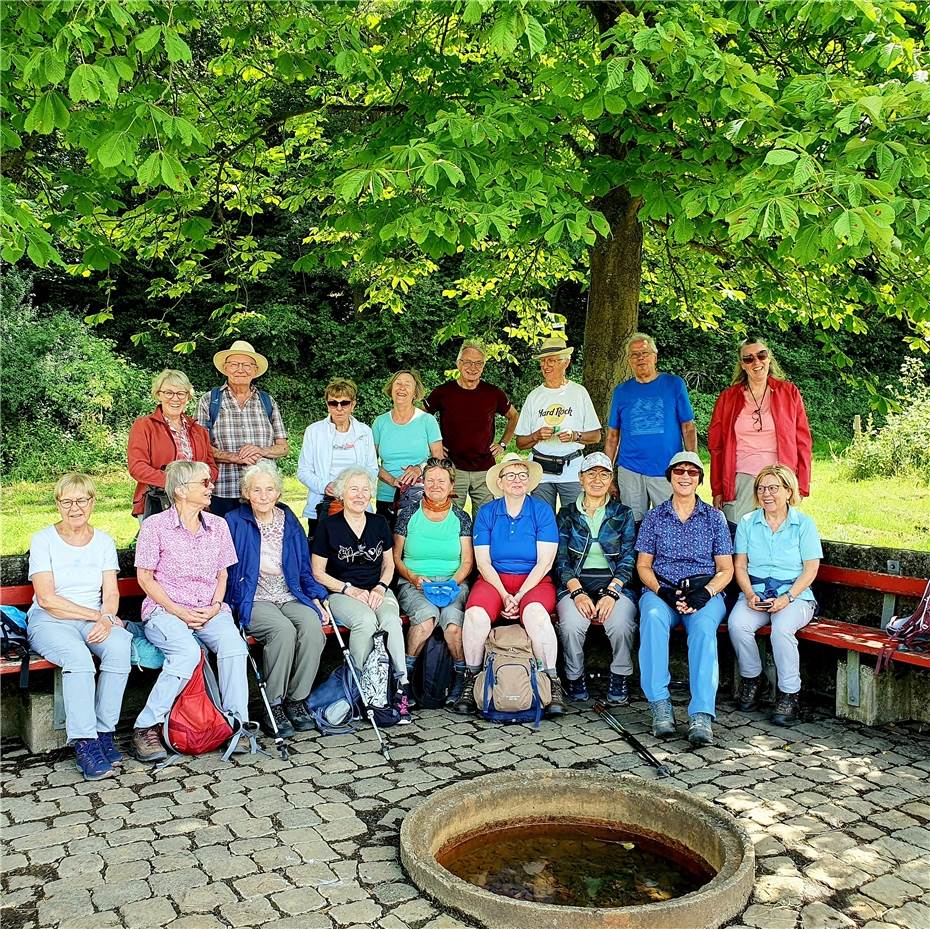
x=760 y=355
x=521 y=477
x=465 y=363
x=757 y=420
x=443 y=463
x=686 y=472
x=769 y=488
x=597 y=474
x=205 y=482
x=79 y=502
x=174 y=394
x=241 y=365
x=638 y=356
x=342 y=404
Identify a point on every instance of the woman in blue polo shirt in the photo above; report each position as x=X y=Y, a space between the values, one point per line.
x=777 y=554
x=516 y=540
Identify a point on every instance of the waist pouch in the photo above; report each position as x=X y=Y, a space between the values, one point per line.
x=687 y=583
x=555 y=464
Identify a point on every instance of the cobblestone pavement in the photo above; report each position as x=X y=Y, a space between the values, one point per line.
x=840 y=815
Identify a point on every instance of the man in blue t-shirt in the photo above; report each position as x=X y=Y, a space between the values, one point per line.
x=651 y=420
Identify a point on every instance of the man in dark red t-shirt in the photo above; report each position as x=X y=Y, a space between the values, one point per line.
x=466 y=408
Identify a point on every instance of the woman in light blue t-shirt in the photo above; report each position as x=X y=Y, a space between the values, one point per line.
x=404 y=438
x=776 y=556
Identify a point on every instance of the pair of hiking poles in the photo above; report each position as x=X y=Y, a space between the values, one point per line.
x=279 y=743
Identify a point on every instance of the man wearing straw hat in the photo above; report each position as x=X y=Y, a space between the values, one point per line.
x=244 y=423
x=556 y=422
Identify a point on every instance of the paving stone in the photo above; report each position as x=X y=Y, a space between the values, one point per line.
x=201 y=921
x=254 y=912
x=298 y=900
x=147 y=914
x=767 y=916
x=821 y=916
x=912 y=915
x=261 y=885
x=205 y=899
x=176 y=882
x=361 y=911
x=115 y=894
x=890 y=890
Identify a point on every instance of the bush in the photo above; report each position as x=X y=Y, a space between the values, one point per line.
x=901 y=447
x=68 y=397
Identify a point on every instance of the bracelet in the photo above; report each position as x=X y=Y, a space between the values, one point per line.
x=574 y=594
x=381 y=584
x=345 y=587
x=610 y=592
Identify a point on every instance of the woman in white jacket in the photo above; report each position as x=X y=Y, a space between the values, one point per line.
x=331 y=445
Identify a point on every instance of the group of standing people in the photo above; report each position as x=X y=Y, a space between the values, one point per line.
x=557 y=532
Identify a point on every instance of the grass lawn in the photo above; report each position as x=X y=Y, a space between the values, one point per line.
x=892 y=513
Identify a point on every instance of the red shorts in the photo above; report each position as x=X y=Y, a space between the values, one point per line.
x=484 y=595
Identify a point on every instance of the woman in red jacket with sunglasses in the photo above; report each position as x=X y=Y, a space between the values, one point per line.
x=758 y=421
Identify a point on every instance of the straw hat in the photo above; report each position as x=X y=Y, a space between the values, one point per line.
x=241 y=348
x=536 y=473
x=555 y=346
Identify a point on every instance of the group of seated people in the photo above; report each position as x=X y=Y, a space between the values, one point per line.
x=203 y=574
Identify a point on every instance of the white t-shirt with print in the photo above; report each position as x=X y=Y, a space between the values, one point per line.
x=565 y=409
x=78 y=569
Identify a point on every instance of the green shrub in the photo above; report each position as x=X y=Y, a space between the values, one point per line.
x=901 y=447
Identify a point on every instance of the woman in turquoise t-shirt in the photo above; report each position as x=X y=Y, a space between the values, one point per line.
x=404 y=438
x=432 y=542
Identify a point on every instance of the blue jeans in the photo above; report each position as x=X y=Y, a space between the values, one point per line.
x=89 y=708
x=656 y=620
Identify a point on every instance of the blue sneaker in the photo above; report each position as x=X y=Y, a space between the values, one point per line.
x=577 y=690
x=618 y=691
x=90 y=760
x=109 y=749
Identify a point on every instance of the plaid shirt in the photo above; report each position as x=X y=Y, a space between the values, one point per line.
x=237 y=426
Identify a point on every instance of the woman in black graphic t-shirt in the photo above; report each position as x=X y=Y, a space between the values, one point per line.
x=354 y=560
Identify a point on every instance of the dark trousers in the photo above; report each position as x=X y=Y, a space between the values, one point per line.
x=220 y=506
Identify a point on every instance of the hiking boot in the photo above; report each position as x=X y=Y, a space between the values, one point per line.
x=618 y=691
x=466 y=703
x=403 y=706
x=285 y=729
x=147 y=745
x=577 y=690
x=786 y=709
x=700 y=731
x=296 y=712
x=557 y=706
x=663 y=718
x=748 y=697
x=455 y=691
x=109 y=749
x=90 y=760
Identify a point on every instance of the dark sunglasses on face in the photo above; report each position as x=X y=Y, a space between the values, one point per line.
x=689 y=472
x=206 y=482
x=760 y=355
x=339 y=403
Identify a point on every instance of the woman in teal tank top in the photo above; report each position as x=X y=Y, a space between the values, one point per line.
x=432 y=542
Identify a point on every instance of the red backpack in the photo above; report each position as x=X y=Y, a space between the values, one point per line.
x=196 y=725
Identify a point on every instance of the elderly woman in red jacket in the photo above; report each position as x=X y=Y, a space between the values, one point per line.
x=758 y=421
x=168 y=434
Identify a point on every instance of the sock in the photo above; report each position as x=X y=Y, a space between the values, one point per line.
x=411 y=661
x=458 y=667
x=551 y=672
x=476 y=668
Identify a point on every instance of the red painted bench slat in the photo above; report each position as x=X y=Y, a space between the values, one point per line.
x=871 y=580
x=853 y=637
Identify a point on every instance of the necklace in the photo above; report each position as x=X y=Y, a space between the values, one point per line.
x=437 y=507
x=757 y=416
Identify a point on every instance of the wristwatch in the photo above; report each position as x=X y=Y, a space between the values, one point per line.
x=790 y=596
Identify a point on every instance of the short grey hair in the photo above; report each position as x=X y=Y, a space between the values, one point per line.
x=475 y=346
x=346 y=475
x=640 y=337
x=179 y=473
x=175 y=379
x=262 y=467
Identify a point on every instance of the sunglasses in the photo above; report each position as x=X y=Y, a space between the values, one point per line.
x=760 y=355
x=204 y=482
x=689 y=472
x=342 y=404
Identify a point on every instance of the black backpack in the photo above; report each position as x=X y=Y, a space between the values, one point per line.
x=432 y=673
x=14 y=643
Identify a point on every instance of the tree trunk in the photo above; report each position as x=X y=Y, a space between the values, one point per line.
x=613 y=298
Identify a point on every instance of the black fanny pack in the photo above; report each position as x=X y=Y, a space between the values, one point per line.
x=687 y=583
x=555 y=464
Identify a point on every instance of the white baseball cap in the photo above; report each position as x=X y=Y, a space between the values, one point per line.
x=596 y=460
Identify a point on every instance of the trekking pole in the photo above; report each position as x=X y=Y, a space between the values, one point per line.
x=631 y=740
x=279 y=742
x=369 y=712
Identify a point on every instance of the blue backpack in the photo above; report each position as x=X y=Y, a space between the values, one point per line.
x=332 y=704
x=216 y=398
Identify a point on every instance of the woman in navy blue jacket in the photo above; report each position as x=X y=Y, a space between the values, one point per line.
x=274 y=595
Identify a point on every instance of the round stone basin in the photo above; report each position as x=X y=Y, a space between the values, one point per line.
x=468 y=809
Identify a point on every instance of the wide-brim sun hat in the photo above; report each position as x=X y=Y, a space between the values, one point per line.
x=691 y=458
x=554 y=347
x=536 y=473
x=240 y=348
